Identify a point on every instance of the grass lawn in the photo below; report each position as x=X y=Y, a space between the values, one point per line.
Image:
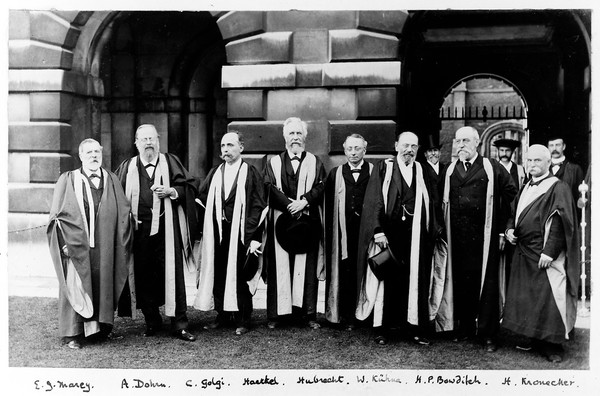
x=34 y=342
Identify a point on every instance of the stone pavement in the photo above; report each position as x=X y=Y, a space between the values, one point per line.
x=31 y=272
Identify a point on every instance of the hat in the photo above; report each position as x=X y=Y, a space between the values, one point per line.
x=295 y=235
x=431 y=143
x=381 y=262
x=510 y=143
x=250 y=266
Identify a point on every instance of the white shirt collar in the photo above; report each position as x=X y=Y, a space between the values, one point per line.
x=89 y=172
x=144 y=162
x=535 y=179
x=472 y=160
x=508 y=167
x=292 y=155
x=558 y=160
x=359 y=166
x=435 y=166
x=401 y=164
x=234 y=165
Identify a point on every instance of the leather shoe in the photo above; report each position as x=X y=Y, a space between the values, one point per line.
x=185 y=335
x=73 y=344
x=381 y=340
x=554 y=358
x=313 y=324
x=241 y=330
x=490 y=346
x=273 y=324
x=421 y=340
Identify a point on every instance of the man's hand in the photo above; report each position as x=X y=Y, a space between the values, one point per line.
x=510 y=236
x=253 y=249
x=381 y=241
x=297 y=206
x=544 y=261
x=162 y=191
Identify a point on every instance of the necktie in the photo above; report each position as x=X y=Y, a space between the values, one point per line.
x=467 y=165
x=533 y=184
x=295 y=163
x=95 y=179
x=355 y=170
x=150 y=169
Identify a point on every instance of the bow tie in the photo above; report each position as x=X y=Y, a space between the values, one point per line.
x=93 y=175
x=148 y=165
x=537 y=183
x=355 y=170
x=295 y=159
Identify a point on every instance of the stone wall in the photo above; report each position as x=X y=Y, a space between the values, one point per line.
x=339 y=71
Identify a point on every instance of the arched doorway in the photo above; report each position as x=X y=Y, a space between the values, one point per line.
x=162 y=68
x=492 y=105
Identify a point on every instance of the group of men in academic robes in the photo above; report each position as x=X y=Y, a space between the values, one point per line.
x=409 y=247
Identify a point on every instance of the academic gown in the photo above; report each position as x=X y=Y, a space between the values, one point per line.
x=344 y=198
x=473 y=216
x=159 y=259
x=228 y=286
x=572 y=174
x=542 y=303
x=91 y=279
x=411 y=279
x=281 y=295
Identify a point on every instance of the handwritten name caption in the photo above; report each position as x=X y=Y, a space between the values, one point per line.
x=49 y=386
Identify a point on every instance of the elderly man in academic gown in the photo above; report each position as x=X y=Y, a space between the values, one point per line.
x=294 y=255
x=344 y=195
x=542 y=296
x=232 y=199
x=90 y=237
x=397 y=214
x=475 y=199
x=162 y=196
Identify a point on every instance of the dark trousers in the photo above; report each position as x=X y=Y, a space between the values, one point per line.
x=244 y=297
x=149 y=268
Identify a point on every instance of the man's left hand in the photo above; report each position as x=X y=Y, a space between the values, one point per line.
x=544 y=261
x=297 y=206
x=253 y=249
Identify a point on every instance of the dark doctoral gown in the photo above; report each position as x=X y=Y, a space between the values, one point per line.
x=344 y=198
x=93 y=276
x=288 y=286
x=405 y=297
x=542 y=303
x=160 y=277
x=237 y=217
x=435 y=181
x=572 y=174
x=475 y=204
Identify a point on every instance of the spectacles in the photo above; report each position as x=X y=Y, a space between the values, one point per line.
x=412 y=146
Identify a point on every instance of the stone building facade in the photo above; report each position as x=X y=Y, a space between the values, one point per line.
x=195 y=75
